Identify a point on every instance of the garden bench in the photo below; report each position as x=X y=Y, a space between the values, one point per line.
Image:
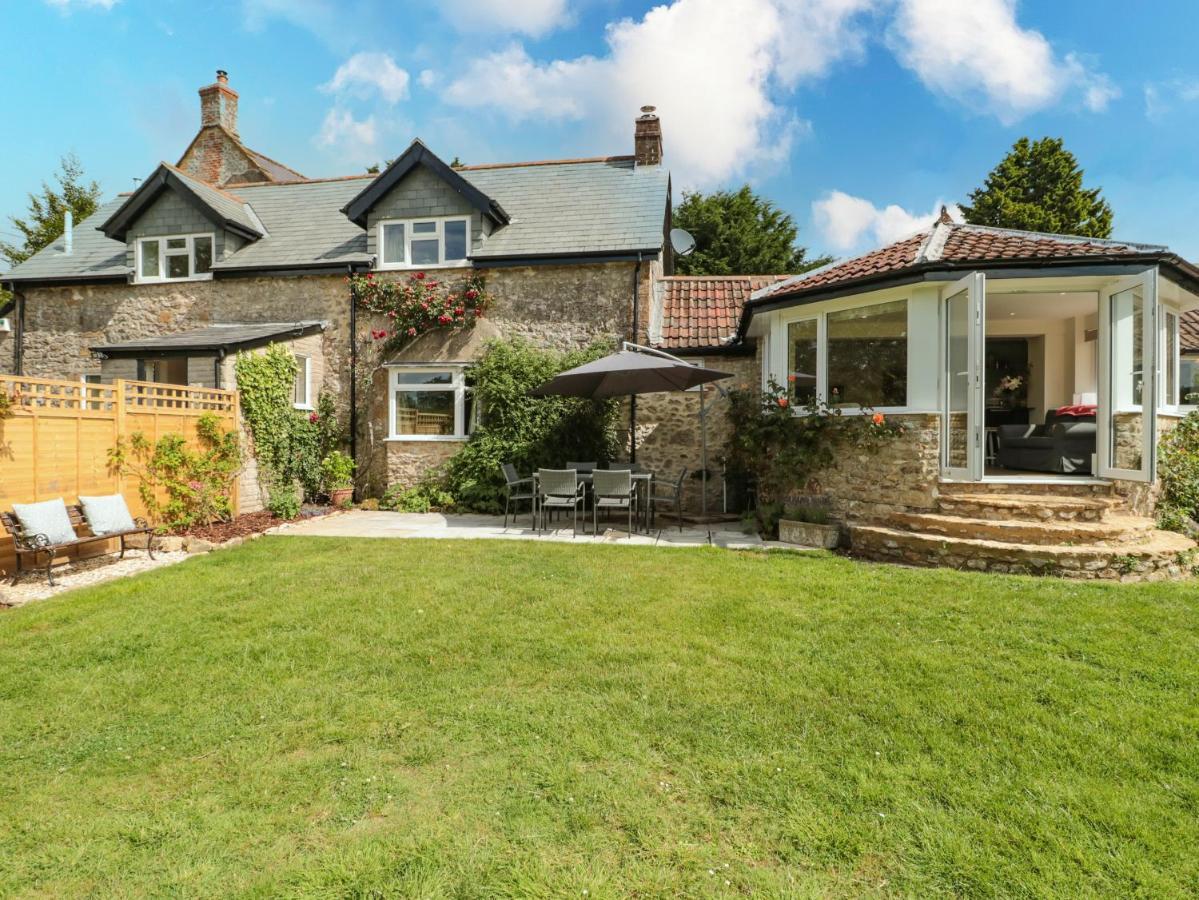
x=37 y=545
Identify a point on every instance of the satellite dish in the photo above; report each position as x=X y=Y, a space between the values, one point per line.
x=682 y=242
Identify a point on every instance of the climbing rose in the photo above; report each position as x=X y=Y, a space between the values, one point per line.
x=792 y=379
x=420 y=276
x=313 y=418
x=411 y=332
x=472 y=294
x=784 y=402
x=878 y=419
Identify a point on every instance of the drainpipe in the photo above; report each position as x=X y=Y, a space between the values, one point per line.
x=216 y=368
x=353 y=374
x=19 y=348
x=633 y=331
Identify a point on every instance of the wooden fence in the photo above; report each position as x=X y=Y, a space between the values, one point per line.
x=55 y=443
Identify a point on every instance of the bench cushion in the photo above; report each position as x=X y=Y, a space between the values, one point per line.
x=48 y=517
x=107 y=515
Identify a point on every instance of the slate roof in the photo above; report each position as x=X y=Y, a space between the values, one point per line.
x=273 y=168
x=1188 y=331
x=702 y=311
x=576 y=207
x=214 y=337
x=956 y=243
x=227 y=209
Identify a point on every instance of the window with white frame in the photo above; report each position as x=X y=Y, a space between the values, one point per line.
x=302 y=391
x=423 y=243
x=429 y=404
x=174 y=258
x=856 y=357
x=1188 y=377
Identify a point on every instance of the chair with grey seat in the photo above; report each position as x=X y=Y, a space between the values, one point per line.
x=612 y=489
x=559 y=489
x=583 y=468
x=517 y=489
x=668 y=495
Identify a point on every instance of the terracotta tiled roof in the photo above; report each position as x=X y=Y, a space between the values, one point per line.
x=702 y=311
x=954 y=243
x=1188 y=330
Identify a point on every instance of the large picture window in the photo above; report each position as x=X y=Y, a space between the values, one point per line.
x=429 y=404
x=868 y=355
x=803 y=360
x=175 y=258
x=423 y=243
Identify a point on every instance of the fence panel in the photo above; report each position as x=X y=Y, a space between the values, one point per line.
x=55 y=443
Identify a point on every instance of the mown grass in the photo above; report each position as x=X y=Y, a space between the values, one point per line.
x=320 y=717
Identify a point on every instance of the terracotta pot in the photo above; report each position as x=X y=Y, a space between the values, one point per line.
x=341 y=496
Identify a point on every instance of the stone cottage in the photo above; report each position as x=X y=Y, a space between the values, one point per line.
x=228 y=250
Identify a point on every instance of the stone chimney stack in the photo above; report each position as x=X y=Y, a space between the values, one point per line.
x=218 y=104
x=647 y=138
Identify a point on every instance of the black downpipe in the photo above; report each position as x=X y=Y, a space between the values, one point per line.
x=633 y=332
x=19 y=350
x=353 y=376
x=216 y=368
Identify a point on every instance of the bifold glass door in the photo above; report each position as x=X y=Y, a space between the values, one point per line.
x=963 y=313
x=1128 y=378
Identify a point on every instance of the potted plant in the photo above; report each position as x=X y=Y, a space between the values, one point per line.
x=809 y=525
x=337 y=475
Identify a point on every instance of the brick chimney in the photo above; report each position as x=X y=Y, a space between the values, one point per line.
x=647 y=138
x=218 y=104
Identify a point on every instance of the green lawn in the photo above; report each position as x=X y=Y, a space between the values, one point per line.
x=319 y=717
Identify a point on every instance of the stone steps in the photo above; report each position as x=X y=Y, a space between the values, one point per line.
x=1113 y=530
x=1099 y=489
x=1027 y=507
x=1161 y=555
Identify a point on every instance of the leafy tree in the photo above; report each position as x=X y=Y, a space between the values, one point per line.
x=1038 y=187
x=739 y=233
x=47 y=210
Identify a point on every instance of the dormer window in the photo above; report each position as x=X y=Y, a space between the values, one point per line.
x=424 y=243
x=186 y=257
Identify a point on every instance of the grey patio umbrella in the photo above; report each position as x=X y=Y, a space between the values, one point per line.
x=638 y=370
x=627 y=372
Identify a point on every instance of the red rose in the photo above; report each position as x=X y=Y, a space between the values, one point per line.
x=411 y=332
x=784 y=402
x=391 y=314
x=471 y=294
x=430 y=284
x=792 y=379
x=313 y=418
x=459 y=311
x=424 y=306
x=420 y=276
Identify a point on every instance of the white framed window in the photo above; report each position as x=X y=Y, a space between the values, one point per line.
x=429 y=404
x=1188 y=378
x=180 y=257
x=1180 y=375
x=424 y=243
x=852 y=358
x=302 y=390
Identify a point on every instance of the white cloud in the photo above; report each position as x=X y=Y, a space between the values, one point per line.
x=76 y=4
x=355 y=141
x=427 y=78
x=850 y=223
x=707 y=65
x=977 y=53
x=1162 y=97
x=364 y=74
x=531 y=17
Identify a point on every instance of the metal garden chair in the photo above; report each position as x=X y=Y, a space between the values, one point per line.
x=559 y=489
x=612 y=489
x=517 y=489
x=669 y=495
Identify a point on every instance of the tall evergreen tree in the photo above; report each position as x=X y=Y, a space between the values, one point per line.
x=47 y=210
x=1038 y=187
x=739 y=233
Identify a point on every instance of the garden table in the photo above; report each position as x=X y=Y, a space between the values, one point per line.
x=644 y=482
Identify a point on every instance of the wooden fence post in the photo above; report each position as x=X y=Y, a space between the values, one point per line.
x=118 y=409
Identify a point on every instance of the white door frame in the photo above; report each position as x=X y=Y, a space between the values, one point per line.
x=975 y=286
x=1151 y=374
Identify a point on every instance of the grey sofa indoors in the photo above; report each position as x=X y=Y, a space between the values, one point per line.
x=1064 y=445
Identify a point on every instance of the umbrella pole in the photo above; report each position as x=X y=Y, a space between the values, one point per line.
x=703 y=444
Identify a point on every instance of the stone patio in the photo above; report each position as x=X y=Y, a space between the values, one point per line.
x=364 y=524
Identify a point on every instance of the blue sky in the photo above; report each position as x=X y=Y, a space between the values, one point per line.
x=859 y=117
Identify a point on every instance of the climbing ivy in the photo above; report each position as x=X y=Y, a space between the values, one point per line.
x=289 y=443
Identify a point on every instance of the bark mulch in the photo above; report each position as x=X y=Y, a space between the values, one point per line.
x=248 y=524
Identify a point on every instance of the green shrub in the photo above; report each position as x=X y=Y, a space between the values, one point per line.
x=526 y=431
x=1178 y=469
x=198 y=483
x=289 y=443
x=422 y=498
x=282 y=500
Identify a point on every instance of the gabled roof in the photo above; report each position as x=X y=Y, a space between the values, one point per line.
x=225 y=210
x=271 y=169
x=1188 y=331
x=702 y=311
x=418 y=154
x=214 y=337
x=950 y=245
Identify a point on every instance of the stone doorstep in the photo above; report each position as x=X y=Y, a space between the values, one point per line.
x=1029 y=488
x=1030 y=507
x=1114 y=530
x=1159 y=558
